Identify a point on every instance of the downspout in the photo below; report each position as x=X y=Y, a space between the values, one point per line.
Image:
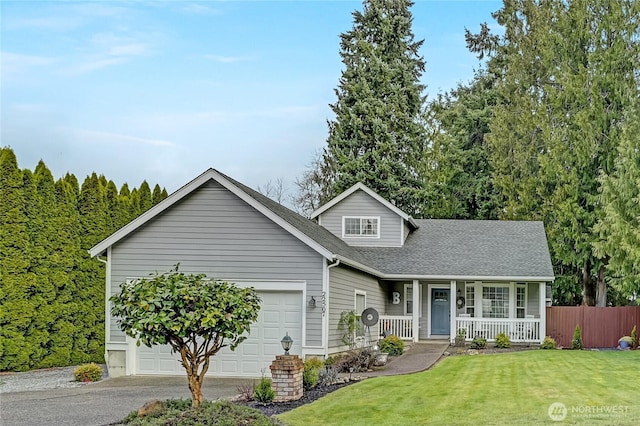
x=325 y=315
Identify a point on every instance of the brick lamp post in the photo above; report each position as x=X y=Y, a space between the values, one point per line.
x=286 y=374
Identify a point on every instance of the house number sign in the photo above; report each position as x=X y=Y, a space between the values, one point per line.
x=395 y=297
x=324 y=302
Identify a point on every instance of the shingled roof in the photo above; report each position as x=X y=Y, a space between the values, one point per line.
x=464 y=249
x=468 y=248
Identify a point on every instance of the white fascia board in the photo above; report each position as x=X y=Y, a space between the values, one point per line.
x=466 y=278
x=187 y=189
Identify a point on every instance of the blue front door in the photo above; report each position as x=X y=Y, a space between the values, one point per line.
x=440 y=309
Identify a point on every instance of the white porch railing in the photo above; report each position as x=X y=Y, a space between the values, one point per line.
x=400 y=326
x=519 y=330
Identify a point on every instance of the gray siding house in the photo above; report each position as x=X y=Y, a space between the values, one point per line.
x=426 y=278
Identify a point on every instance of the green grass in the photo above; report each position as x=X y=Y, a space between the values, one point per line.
x=513 y=388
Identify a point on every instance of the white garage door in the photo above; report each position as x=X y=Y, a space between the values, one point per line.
x=280 y=312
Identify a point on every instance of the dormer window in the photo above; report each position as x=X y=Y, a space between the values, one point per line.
x=360 y=226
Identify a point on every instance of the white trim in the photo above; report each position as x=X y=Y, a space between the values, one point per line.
x=269 y=285
x=418 y=300
x=107 y=302
x=453 y=309
x=370 y=192
x=458 y=277
x=172 y=199
x=416 y=291
x=542 y=290
x=361 y=235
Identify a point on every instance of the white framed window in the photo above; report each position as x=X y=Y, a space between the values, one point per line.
x=360 y=303
x=361 y=226
x=521 y=300
x=495 y=301
x=408 y=299
x=470 y=299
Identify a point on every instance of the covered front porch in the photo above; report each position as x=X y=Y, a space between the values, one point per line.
x=423 y=310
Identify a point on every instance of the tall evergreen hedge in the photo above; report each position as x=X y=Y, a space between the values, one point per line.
x=51 y=292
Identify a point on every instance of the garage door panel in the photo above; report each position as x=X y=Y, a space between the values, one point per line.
x=280 y=312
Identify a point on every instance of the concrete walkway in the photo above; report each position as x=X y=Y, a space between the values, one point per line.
x=419 y=357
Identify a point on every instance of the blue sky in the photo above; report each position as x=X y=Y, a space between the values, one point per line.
x=164 y=90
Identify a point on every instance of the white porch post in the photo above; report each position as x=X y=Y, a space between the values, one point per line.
x=542 y=296
x=416 y=309
x=453 y=310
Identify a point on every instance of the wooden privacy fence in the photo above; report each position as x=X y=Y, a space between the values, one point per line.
x=601 y=327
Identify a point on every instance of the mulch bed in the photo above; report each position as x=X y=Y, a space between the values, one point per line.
x=307 y=397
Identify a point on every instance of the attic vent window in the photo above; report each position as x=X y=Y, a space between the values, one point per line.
x=361 y=227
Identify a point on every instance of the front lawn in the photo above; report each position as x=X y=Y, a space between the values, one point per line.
x=513 y=388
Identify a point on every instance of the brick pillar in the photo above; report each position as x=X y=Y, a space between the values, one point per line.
x=286 y=377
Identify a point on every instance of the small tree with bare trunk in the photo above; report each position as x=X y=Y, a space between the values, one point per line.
x=195 y=315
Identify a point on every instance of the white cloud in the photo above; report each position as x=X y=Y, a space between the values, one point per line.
x=109 y=138
x=17 y=64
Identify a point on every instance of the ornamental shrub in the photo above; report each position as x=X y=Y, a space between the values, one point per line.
x=503 y=341
x=263 y=392
x=478 y=343
x=88 y=373
x=311 y=373
x=634 y=338
x=576 y=342
x=392 y=345
x=548 y=343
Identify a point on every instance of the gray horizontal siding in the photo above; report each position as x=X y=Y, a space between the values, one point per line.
x=361 y=204
x=343 y=282
x=212 y=231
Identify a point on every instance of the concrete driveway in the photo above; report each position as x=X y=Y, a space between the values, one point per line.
x=102 y=403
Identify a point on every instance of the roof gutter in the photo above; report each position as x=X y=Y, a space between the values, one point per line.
x=384 y=276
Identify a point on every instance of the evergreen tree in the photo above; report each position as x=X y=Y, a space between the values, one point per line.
x=156 y=196
x=15 y=308
x=455 y=166
x=376 y=137
x=569 y=70
x=145 y=197
x=619 y=227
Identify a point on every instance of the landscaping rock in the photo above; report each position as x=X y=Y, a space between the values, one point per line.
x=473 y=352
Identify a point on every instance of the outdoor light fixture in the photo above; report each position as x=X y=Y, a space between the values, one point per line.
x=312 y=302
x=286 y=342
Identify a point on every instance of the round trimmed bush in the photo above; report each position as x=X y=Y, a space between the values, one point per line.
x=392 y=345
x=88 y=373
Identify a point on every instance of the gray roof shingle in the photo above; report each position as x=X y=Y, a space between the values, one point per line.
x=467 y=248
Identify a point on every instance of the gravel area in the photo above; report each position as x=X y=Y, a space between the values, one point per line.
x=48 y=378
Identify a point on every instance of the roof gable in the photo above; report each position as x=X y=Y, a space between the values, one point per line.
x=362 y=187
x=196 y=183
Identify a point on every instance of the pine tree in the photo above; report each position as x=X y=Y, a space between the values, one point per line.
x=376 y=137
